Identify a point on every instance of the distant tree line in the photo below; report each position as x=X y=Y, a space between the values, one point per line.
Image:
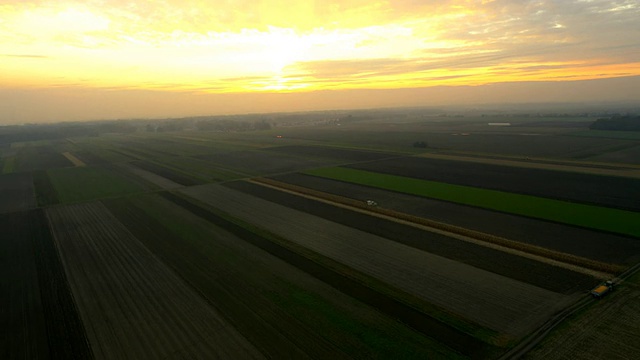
x=232 y=125
x=618 y=123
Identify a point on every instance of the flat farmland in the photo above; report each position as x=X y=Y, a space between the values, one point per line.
x=447 y=135
x=497 y=302
x=629 y=155
x=568 y=239
x=151 y=177
x=38 y=313
x=201 y=169
x=133 y=305
x=283 y=311
x=594 y=217
x=522 y=269
x=326 y=152
x=87 y=183
x=22 y=313
x=606 y=330
x=166 y=172
x=259 y=162
x=16 y=192
x=40 y=158
x=610 y=191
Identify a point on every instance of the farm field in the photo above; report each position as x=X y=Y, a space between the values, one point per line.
x=39 y=317
x=608 y=329
x=167 y=173
x=151 y=177
x=600 y=218
x=482 y=299
x=526 y=270
x=88 y=183
x=280 y=309
x=16 y=192
x=607 y=191
x=568 y=239
x=343 y=154
x=257 y=162
x=131 y=303
x=133 y=239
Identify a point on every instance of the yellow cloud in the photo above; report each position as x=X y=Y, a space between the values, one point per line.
x=287 y=45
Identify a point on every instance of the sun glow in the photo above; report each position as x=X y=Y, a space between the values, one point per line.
x=296 y=46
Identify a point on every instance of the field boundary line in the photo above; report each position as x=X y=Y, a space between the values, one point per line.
x=623 y=170
x=73 y=159
x=575 y=263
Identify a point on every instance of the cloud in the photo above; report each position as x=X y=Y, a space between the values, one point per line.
x=25 y=56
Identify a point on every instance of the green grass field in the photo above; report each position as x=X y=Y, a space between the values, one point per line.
x=595 y=217
x=88 y=183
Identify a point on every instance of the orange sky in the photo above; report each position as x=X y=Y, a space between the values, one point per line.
x=207 y=49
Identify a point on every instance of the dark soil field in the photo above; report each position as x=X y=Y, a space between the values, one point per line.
x=24 y=332
x=46 y=194
x=38 y=315
x=568 y=239
x=90 y=158
x=16 y=192
x=433 y=328
x=262 y=162
x=132 y=304
x=526 y=270
x=40 y=158
x=472 y=293
x=167 y=173
x=629 y=155
x=339 y=154
x=616 y=192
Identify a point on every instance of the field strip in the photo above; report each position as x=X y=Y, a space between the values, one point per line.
x=132 y=304
x=344 y=279
x=153 y=178
x=402 y=218
x=495 y=301
x=601 y=218
x=74 y=160
x=625 y=171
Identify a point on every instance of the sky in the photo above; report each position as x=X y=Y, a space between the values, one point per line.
x=98 y=59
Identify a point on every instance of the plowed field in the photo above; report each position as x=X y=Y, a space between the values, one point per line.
x=568 y=239
x=16 y=192
x=132 y=305
x=495 y=301
x=607 y=191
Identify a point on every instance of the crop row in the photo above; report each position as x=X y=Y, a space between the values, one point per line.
x=482 y=257
x=445 y=283
x=599 y=190
x=599 y=218
x=596 y=245
x=489 y=238
x=38 y=313
x=346 y=280
x=133 y=305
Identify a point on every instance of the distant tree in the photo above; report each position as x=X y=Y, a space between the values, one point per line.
x=619 y=123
